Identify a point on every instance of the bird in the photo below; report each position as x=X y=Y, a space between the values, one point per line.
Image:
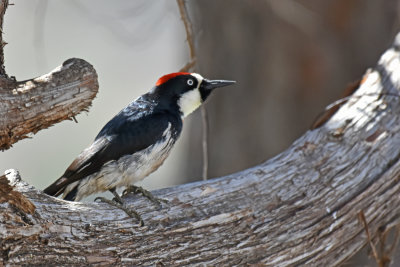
x=136 y=141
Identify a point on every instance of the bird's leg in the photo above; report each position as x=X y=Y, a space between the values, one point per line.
x=119 y=203
x=137 y=189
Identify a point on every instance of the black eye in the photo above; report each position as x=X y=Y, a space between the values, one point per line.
x=190 y=82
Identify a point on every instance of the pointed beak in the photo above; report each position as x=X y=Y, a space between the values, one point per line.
x=212 y=84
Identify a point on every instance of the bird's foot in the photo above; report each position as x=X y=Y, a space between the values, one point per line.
x=137 y=189
x=118 y=203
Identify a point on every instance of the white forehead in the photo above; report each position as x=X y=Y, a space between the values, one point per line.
x=198 y=77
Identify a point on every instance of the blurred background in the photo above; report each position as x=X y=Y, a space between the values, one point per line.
x=129 y=43
x=290 y=58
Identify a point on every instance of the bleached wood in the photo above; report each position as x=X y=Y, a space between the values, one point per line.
x=298 y=208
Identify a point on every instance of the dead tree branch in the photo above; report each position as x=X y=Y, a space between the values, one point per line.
x=29 y=106
x=189 y=35
x=299 y=208
x=3 y=8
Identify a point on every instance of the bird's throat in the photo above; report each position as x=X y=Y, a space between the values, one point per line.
x=189 y=102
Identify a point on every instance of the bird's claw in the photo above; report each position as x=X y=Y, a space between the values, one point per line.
x=137 y=189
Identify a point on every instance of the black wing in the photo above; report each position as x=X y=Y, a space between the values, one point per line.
x=132 y=130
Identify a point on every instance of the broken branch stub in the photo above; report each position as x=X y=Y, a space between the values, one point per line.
x=29 y=106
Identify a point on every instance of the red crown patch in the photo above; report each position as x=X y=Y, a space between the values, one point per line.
x=167 y=77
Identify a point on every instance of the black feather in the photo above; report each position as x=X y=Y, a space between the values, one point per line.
x=133 y=129
x=72 y=194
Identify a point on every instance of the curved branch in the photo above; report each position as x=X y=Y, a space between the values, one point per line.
x=300 y=207
x=29 y=106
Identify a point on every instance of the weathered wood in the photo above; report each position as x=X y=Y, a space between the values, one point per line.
x=299 y=208
x=29 y=106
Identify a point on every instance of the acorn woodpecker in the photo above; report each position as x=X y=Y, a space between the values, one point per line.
x=137 y=140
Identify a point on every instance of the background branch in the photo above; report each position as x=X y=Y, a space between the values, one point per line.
x=189 y=34
x=189 y=67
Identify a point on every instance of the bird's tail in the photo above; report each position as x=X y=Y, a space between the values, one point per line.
x=58 y=187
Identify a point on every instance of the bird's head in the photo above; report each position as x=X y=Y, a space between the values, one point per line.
x=187 y=90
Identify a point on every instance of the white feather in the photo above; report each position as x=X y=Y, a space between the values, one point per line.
x=191 y=100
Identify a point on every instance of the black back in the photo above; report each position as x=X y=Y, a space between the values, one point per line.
x=134 y=128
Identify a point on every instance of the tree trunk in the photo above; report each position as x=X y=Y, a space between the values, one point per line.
x=302 y=207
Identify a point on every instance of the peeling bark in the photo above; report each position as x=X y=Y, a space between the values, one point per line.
x=299 y=208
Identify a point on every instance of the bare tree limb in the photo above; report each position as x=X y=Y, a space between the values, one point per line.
x=189 y=33
x=3 y=8
x=299 y=208
x=204 y=141
x=29 y=106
